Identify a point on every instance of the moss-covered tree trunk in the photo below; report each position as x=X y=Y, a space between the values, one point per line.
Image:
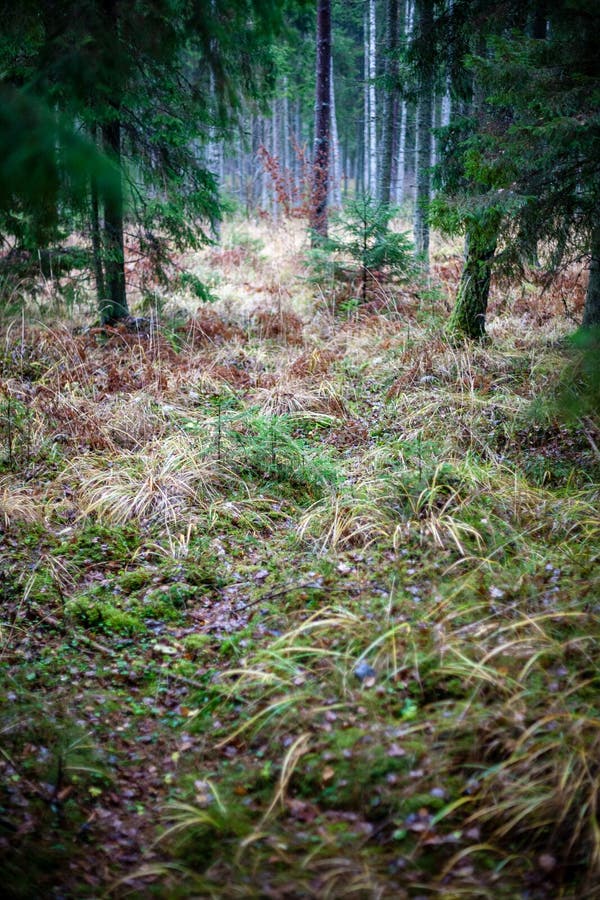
x=591 y=311
x=468 y=316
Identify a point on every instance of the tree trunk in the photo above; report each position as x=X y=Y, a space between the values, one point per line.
x=97 y=243
x=423 y=142
x=446 y=107
x=285 y=140
x=275 y=208
x=591 y=311
x=366 y=98
x=401 y=163
x=390 y=106
x=96 y=235
x=114 y=305
x=264 y=177
x=335 y=181
x=372 y=103
x=468 y=316
x=318 y=206
x=213 y=156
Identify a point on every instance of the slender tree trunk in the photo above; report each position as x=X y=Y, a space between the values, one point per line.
x=401 y=162
x=468 y=316
x=275 y=208
x=390 y=105
x=318 y=210
x=402 y=158
x=423 y=173
x=264 y=177
x=423 y=142
x=591 y=311
x=298 y=163
x=97 y=243
x=285 y=137
x=359 y=170
x=446 y=107
x=372 y=102
x=96 y=235
x=335 y=191
x=367 y=119
x=346 y=169
x=114 y=306
x=213 y=156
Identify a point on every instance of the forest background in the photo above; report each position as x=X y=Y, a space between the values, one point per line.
x=299 y=430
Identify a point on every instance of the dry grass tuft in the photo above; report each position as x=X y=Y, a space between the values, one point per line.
x=292 y=396
x=17 y=504
x=349 y=517
x=160 y=484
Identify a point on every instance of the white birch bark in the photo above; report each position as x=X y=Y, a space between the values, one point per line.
x=372 y=103
x=335 y=190
x=366 y=142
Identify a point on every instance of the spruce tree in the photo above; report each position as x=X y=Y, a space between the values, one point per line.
x=137 y=78
x=520 y=171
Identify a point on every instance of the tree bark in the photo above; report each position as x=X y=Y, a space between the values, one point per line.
x=372 y=103
x=114 y=305
x=390 y=106
x=96 y=235
x=335 y=181
x=318 y=210
x=423 y=141
x=97 y=242
x=366 y=98
x=591 y=311
x=401 y=163
x=468 y=316
x=275 y=208
x=214 y=152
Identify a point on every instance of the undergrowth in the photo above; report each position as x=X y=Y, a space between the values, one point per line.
x=317 y=598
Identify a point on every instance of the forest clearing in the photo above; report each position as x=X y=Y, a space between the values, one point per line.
x=300 y=591
x=299 y=449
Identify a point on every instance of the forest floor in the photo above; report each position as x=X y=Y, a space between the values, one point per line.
x=298 y=599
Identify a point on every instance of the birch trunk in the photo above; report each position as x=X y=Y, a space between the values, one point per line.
x=367 y=119
x=372 y=102
x=335 y=189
